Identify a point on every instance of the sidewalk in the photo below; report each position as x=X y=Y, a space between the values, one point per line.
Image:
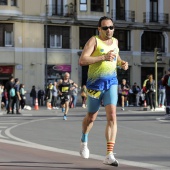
x=43 y=111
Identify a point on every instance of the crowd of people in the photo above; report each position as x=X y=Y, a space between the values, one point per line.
x=136 y=96
x=13 y=97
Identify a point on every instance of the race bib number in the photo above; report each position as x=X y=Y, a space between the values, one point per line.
x=65 y=89
x=94 y=93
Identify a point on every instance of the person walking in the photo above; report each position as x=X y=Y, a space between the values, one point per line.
x=150 y=90
x=101 y=53
x=64 y=87
x=33 y=94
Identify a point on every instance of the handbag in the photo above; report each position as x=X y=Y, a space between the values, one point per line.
x=83 y=94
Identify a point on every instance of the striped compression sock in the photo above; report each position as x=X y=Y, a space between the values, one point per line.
x=110 y=146
x=84 y=137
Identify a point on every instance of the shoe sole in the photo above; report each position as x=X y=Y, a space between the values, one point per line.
x=116 y=164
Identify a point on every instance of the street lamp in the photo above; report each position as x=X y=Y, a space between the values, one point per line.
x=157 y=56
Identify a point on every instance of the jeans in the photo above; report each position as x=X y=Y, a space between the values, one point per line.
x=74 y=98
x=161 y=100
x=151 y=96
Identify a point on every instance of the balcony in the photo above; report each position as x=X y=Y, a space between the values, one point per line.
x=125 y=15
x=149 y=17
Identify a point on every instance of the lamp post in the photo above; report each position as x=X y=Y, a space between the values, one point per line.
x=156 y=78
x=46 y=43
x=157 y=56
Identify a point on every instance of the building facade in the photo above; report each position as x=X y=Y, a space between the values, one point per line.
x=42 y=39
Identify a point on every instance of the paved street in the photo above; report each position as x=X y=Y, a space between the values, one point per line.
x=43 y=140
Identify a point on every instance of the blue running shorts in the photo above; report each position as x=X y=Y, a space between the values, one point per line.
x=95 y=98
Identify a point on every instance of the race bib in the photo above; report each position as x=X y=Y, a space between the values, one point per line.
x=94 y=93
x=64 y=89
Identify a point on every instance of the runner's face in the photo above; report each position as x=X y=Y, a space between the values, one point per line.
x=67 y=76
x=107 y=29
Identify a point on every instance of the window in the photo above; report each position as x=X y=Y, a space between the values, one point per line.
x=150 y=40
x=120 y=9
x=13 y=2
x=83 y=5
x=123 y=37
x=8 y=39
x=86 y=34
x=3 y=2
x=153 y=10
x=55 y=41
x=57 y=7
x=58 y=37
x=6 y=35
x=97 y=5
x=107 y=6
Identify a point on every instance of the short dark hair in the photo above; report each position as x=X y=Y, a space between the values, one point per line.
x=16 y=80
x=104 y=18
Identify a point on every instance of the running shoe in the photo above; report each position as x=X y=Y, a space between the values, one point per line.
x=84 y=151
x=122 y=108
x=110 y=160
x=65 y=118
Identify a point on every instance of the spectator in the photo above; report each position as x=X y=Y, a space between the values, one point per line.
x=125 y=91
x=17 y=97
x=161 y=94
x=166 y=83
x=48 y=96
x=144 y=90
x=84 y=96
x=73 y=94
x=8 y=86
x=1 y=94
x=136 y=89
x=33 y=95
x=23 y=97
x=150 y=90
x=41 y=97
x=54 y=96
x=130 y=97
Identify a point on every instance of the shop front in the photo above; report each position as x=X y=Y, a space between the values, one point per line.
x=56 y=72
x=5 y=73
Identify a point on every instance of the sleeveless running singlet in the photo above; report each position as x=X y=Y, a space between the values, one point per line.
x=65 y=87
x=103 y=74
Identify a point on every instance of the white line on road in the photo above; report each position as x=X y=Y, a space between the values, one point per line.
x=1 y=136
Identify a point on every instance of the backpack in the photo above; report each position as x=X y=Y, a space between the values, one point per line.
x=168 y=82
x=12 y=92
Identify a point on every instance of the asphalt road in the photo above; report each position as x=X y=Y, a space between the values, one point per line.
x=43 y=140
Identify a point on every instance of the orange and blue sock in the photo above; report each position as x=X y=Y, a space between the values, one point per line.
x=110 y=146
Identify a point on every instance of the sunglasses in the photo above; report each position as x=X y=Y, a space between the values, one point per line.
x=106 y=28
